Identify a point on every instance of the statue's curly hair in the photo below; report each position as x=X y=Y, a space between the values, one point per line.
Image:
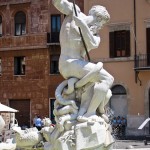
x=100 y=12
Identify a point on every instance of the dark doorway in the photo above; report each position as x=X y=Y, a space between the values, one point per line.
x=149 y=108
x=23 y=116
x=52 y=101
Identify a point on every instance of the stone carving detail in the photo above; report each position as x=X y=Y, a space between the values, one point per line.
x=30 y=138
x=27 y=138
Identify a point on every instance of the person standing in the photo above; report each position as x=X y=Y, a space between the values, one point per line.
x=38 y=123
x=114 y=124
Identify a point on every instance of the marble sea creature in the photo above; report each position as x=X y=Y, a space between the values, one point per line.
x=27 y=138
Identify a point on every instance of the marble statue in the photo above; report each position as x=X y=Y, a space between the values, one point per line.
x=46 y=122
x=72 y=62
x=27 y=138
x=31 y=137
x=79 y=109
x=7 y=146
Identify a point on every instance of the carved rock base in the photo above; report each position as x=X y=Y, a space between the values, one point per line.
x=86 y=136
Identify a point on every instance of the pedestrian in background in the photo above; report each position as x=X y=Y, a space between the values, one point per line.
x=38 y=123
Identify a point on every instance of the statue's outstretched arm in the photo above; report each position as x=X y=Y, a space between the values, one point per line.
x=64 y=6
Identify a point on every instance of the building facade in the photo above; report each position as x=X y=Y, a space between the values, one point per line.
x=30 y=49
x=124 y=50
x=28 y=63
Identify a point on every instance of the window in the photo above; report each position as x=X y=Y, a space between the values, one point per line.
x=0 y=26
x=55 y=28
x=20 y=23
x=54 y=60
x=118 y=90
x=118 y=102
x=119 y=43
x=19 y=65
x=0 y=66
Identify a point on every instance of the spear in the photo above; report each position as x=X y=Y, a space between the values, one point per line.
x=88 y=56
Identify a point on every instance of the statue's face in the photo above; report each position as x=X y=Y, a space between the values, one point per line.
x=93 y=29
x=95 y=26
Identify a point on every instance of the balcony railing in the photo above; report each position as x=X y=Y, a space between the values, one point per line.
x=4 y=2
x=142 y=62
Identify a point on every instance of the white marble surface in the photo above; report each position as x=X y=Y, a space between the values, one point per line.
x=2 y=123
x=7 y=146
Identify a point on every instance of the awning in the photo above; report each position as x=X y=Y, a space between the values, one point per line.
x=4 y=108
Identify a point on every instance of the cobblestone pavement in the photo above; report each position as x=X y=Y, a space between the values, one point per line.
x=131 y=144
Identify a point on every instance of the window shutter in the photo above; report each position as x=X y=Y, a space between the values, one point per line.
x=0 y=26
x=55 y=28
x=128 y=43
x=0 y=19
x=111 y=44
x=148 y=45
x=148 y=40
x=15 y=66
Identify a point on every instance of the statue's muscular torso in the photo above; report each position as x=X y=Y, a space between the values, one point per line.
x=70 y=39
x=71 y=62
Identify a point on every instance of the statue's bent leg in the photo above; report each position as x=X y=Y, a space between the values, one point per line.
x=86 y=99
x=101 y=106
x=100 y=92
x=92 y=76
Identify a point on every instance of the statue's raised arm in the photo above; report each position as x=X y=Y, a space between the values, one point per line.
x=64 y=6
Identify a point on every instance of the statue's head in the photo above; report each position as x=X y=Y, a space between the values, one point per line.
x=100 y=13
x=101 y=16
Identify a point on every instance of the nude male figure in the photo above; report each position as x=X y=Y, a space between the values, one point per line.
x=72 y=63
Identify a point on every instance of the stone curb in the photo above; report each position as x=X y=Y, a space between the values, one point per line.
x=134 y=149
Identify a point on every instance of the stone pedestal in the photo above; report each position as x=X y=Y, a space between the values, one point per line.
x=86 y=136
x=90 y=136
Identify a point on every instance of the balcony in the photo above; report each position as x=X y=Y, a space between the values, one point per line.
x=142 y=62
x=53 y=38
x=12 y=2
x=28 y=41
